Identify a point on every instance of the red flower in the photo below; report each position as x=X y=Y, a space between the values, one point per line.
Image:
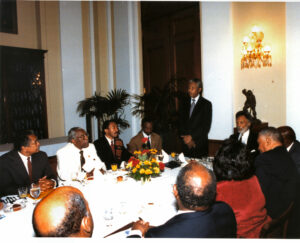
x=145 y=151
x=131 y=159
x=161 y=166
x=135 y=162
x=144 y=140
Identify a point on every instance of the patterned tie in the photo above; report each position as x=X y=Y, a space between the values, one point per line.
x=113 y=147
x=82 y=159
x=192 y=107
x=29 y=166
x=148 y=143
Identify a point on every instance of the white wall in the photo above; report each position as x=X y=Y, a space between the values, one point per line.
x=127 y=61
x=72 y=62
x=217 y=65
x=293 y=66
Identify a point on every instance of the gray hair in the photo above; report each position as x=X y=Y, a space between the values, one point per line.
x=72 y=133
x=197 y=81
x=272 y=133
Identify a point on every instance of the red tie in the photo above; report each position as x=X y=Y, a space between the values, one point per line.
x=113 y=147
x=29 y=166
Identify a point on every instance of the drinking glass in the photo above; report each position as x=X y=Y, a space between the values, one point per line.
x=114 y=167
x=108 y=217
x=22 y=191
x=35 y=192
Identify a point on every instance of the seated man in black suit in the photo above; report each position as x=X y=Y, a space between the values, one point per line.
x=244 y=133
x=195 y=121
x=110 y=148
x=63 y=213
x=199 y=216
x=276 y=172
x=25 y=165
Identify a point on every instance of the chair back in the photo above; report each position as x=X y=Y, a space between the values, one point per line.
x=277 y=228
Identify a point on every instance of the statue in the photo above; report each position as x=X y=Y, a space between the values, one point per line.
x=250 y=105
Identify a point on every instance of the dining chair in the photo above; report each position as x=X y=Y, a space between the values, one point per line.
x=277 y=228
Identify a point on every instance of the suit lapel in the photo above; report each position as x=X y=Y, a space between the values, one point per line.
x=19 y=167
x=196 y=108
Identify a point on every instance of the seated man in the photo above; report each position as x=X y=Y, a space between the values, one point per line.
x=63 y=213
x=24 y=165
x=77 y=156
x=292 y=145
x=152 y=140
x=244 y=133
x=110 y=148
x=276 y=172
x=199 y=216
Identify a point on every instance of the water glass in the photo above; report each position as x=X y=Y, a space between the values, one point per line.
x=35 y=191
x=22 y=191
x=108 y=217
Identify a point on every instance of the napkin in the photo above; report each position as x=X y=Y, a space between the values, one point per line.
x=122 y=165
x=166 y=156
x=182 y=158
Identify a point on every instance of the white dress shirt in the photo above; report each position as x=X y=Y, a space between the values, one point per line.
x=68 y=161
x=24 y=159
x=196 y=99
x=289 y=147
x=245 y=136
x=147 y=136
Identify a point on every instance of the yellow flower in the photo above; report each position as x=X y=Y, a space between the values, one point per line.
x=134 y=170
x=156 y=170
x=129 y=165
x=173 y=155
x=140 y=163
x=142 y=171
x=137 y=152
x=153 y=160
x=148 y=172
x=146 y=162
x=138 y=166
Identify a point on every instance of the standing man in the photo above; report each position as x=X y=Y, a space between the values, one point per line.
x=244 y=134
x=78 y=157
x=110 y=148
x=196 y=121
x=276 y=172
x=24 y=165
x=145 y=138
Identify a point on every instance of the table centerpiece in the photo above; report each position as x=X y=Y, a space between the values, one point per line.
x=143 y=165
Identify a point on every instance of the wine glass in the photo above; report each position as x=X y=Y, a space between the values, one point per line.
x=108 y=217
x=35 y=191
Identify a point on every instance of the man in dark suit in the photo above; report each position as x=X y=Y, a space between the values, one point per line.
x=276 y=172
x=199 y=216
x=152 y=139
x=196 y=115
x=244 y=133
x=110 y=148
x=25 y=165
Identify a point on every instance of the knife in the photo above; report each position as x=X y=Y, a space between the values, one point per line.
x=125 y=227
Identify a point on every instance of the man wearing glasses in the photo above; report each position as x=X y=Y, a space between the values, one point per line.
x=78 y=158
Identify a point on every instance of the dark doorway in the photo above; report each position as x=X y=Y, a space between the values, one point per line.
x=171 y=43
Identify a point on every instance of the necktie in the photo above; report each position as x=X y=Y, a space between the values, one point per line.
x=113 y=147
x=29 y=166
x=241 y=135
x=148 y=143
x=82 y=159
x=192 y=107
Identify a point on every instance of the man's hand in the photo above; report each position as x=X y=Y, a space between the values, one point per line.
x=46 y=184
x=141 y=226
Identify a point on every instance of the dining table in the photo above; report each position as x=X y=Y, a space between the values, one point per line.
x=114 y=204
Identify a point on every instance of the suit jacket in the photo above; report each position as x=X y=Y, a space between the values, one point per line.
x=106 y=155
x=295 y=154
x=136 y=142
x=198 y=126
x=14 y=174
x=251 y=142
x=68 y=161
x=216 y=222
x=277 y=175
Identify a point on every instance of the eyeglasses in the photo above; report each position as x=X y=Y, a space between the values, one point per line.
x=83 y=136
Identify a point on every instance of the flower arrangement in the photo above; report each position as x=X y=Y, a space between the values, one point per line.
x=145 y=143
x=143 y=165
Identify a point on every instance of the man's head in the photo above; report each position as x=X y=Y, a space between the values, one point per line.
x=110 y=129
x=268 y=139
x=195 y=87
x=243 y=121
x=78 y=137
x=63 y=213
x=287 y=134
x=147 y=125
x=27 y=143
x=195 y=188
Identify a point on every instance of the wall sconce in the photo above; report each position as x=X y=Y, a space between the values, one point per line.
x=254 y=53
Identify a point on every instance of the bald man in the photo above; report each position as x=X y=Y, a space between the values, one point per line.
x=63 y=213
x=199 y=216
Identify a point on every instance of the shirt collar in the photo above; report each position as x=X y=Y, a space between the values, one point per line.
x=23 y=157
x=109 y=140
x=145 y=135
x=289 y=147
x=185 y=211
x=196 y=99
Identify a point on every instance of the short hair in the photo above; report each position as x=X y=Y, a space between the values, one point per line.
x=187 y=194
x=245 y=114
x=271 y=132
x=72 y=133
x=22 y=139
x=287 y=133
x=233 y=162
x=72 y=219
x=145 y=120
x=106 y=124
x=198 y=82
